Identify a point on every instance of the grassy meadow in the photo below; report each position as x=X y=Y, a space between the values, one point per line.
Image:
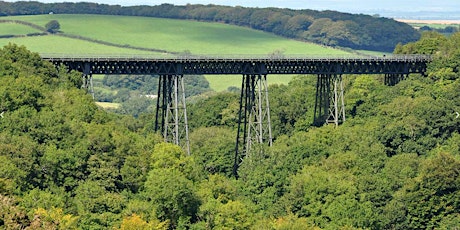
x=158 y=33
x=108 y=105
x=16 y=29
x=52 y=44
x=174 y=35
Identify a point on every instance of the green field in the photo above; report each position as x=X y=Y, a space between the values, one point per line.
x=108 y=105
x=221 y=83
x=163 y=34
x=16 y=29
x=172 y=35
x=53 y=44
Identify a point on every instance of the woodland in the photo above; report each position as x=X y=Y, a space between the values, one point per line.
x=394 y=163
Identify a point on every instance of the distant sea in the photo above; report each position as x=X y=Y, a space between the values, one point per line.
x=421 y=15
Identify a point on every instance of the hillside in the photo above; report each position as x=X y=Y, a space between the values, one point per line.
x=116 y=35
x=174 y=36
x=331 y=28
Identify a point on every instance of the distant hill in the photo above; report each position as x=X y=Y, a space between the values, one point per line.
x=323 y=27
x=116 y=35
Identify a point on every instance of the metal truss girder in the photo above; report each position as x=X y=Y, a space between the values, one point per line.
x=247 y=66
x=171 y=112
x=254 y=125
x=393 y=79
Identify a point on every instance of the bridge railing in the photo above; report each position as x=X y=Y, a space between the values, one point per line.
x=235 y=57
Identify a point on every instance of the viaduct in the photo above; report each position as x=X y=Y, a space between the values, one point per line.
x=254 y=110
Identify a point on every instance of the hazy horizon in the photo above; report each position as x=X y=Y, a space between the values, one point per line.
x=444 y=8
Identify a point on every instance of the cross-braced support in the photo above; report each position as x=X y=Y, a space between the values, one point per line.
x=88 y=79
x=171 y=113
x=254 y=126
x=392 y=79
x=329 y=105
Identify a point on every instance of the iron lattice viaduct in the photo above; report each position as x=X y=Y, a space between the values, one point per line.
x=254 y=124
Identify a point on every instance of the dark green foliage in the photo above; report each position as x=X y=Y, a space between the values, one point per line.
x=145 y=84
x=54 y=141
x=148 y=85
x=169 y=185
x=429 y=198
x=292 y=106
x=137 y=93
x=394 y=163
x=218 y=110
x=53 y=26
x=446 y=30
x=213 y=148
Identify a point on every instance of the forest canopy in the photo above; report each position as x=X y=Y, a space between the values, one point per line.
x=355 y=31
x=394 y=164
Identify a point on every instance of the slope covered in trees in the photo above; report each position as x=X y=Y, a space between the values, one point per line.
x=323 y=27
x=395 y=163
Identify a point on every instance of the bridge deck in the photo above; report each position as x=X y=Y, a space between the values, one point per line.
x=192 y=65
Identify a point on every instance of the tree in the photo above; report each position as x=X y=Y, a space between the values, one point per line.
x=135 y=222
x=234 y=215
x=169 y=186
x=53 y=26
x=97 y=207
x=213 y=149
x=217 y=110
x=12 y=215
x=328 y=196
x=53 y=218
x=173 y=196
x=429 y=199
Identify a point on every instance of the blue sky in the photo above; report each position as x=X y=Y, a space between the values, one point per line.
x=354 y=6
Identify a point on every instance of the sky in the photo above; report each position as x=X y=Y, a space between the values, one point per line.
x=352 y=6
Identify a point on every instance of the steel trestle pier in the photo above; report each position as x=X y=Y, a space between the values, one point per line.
x=254 y=126
x=172 y=109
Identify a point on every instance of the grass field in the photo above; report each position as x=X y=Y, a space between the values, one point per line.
x=221 y=83
x=175 y=35
x=61 y=45
x=108 y=105
x=164 y=34
x=16 y=29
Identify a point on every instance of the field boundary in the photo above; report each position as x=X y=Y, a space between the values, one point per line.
x=100 y=42
x=34 y=26
x=114 y=44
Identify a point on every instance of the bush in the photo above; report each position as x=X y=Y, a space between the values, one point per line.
x=53 y=26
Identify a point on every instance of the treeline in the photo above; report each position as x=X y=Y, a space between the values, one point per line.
x=136 y=93
x=445 y=30
x=323 y=27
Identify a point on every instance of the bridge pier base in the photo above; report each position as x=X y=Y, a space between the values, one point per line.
x=329 y=104
x=87 y=78
x=254 y=125
x=171 y=112
x=392 y=79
